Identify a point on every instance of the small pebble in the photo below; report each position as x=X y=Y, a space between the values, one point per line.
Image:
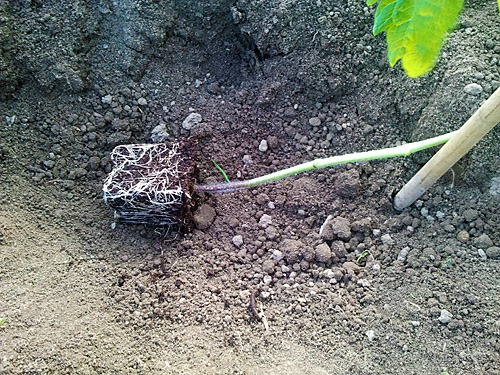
x=493 y=252
x=265 y=221
x=449 y=228
x=191 y=121
x=315 y=121
x=403 y=254
x=328 y=273
x=277 y=255
x=238 y=240
x=323 y=253
x=387 y=239
x=483 y=241
x=370 y=334
x=204 y=216
x=271 y=233
x=470 y=215
x=473 y=89
x=445 y=316
x=77 y=173
x=347 y=184
x=263 y=147
x=49 y=163
x=364 y=283
x=268 y=266
x=341 y=227
x=272 y=141
x=159 y=133
x=351 y=267
x=463 y=236
x=107 y=99
x=142 y=102
x=482 y=254
x=94 y=163
x=267 y=279
x=292 y=249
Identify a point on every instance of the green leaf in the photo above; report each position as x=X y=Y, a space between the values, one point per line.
x=415 y=30
x=219 y=168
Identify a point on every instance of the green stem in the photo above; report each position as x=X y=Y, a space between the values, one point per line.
x=391 y=152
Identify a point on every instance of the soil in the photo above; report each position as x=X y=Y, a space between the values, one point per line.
x=315 y=274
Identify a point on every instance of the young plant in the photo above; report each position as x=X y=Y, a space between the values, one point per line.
x=153 y=183
x=362 y=256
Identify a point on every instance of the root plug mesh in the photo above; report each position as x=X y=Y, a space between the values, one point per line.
x=151 y=183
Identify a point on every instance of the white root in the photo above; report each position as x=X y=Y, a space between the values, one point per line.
x=144 y=185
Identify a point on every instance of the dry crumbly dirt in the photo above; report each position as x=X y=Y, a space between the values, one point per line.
x=84 y=295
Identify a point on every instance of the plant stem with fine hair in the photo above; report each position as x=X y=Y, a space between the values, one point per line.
x=391 y=152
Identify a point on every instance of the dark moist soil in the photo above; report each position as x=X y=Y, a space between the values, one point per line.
x=345 y=284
